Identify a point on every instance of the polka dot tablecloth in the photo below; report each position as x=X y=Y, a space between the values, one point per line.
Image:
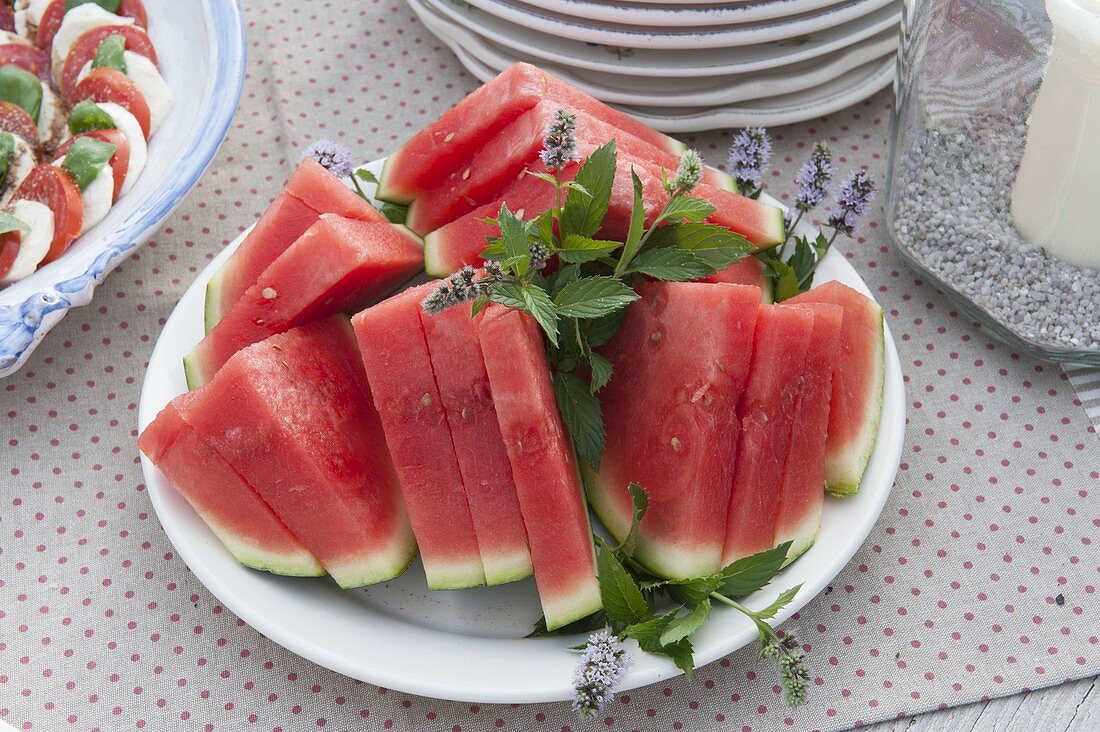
x=979 y=580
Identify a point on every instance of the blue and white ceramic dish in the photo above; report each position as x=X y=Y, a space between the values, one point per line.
x=201 y=47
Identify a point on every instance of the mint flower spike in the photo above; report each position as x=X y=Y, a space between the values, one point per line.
x=462 y=287
x=560 y=145
x=788 y=656
x=814 y=179
x=852 y=199
x=335 y=158
x=688 y=174
x=750 y=152
x=599 y=672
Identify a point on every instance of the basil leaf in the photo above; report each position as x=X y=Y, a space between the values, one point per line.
x=21 y=88
x=622 y=598
x=110 y=54
x=586 y=203
x=88 y=116
x=593 y=297
x=86 y=158
x=111 y=6
x=9 y=223
x=7 y=152
x=581 y=412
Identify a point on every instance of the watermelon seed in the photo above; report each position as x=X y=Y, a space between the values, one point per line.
x=655 y=336
x=450 y=136
x=269 y=293
x=676 y=444
x=466 y=174
x=426 y=400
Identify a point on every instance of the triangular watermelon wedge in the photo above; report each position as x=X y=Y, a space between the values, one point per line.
x=548 y=486
x=399 y=370
x=237 y=515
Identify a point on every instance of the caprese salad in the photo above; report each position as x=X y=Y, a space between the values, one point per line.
x=80 y=95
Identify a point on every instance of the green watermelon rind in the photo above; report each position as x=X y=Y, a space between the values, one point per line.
x=383 y=193
x=801 y=538
x=434 y=251
x=455 y=576
x=587 y=599
x=211 y=310
x=191 y=372
x=845 y=480
x=776 y=234
x=376 y=568
x=301 y=564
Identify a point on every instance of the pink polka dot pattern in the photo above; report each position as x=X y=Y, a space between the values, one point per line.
x=980 y=579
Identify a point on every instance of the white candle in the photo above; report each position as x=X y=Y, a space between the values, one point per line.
x=1056 y=198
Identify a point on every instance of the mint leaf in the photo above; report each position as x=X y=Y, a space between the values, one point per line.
x=601 y=370
x=622 y=599
x=586 y=202
x=580 y=249
x=110 y=54
x=7 y=152
x=781 y=602
x=477 y=307
x=593 y=297
x=9 y=223
x=639 y=501
x=648 y=631
x=86 y=158
x=111 y=6
x=636 y=231
x=749 y=574
x=531 y=299
x=581 y=412
x=21 y=88
x=603 y=329
x=716 y=245
x=564 y=276
x=686 y=208
x=786 y=280
x=683 y=627
x=587 y=624
x=671 y=265
x=513 y=236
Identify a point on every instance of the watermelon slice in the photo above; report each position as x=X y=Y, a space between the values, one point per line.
x=311 y=191
x=766 y=413
x=857 y=385
x=293 y=416
x=505 y=156
x=760 y=223
x=482 y=460
x=456 y=138
x=399 y=369
x=551 y=498
x=681 y=359
x=236 y=514
x=748 y=271
x=338 y=265
x=801 y=490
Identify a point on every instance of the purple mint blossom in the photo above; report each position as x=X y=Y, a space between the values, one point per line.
x=332 y=155
x=851 y=202
x=750 y=151
x=560 y=145
x=462 y=287
x=599 y=672
x=814 y=179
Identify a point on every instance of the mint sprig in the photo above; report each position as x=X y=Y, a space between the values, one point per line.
x=394 y=213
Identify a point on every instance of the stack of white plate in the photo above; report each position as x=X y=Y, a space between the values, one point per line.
x=686 y=65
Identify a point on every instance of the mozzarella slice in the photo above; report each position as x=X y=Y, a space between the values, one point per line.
x=77 y=22
x=150 y=83
x=28 y=16
x=128 y=125
x=23 y=160
x=97 y=197
x=7 y=37
x=35 y=245
x=52 y=125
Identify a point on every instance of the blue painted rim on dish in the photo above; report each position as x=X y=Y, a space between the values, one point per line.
x=24 y=324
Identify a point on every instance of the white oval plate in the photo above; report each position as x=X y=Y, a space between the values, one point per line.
x=684 y=63
x=666 y=92
x=467 y=645
x=201 y=48
x=654 y=15
x=563 y=26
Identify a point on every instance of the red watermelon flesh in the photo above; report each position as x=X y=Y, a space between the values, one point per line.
x=482 y=460
x=339 y=264
x=801 y=491
x=747 y=271
x=293 y=416
x=310 y=192
x=766 y=413
x=504 y=158
x=235 y=513
x=551 y=498
x=460 y=242
x=454 y=139
x=681 y=360
x=857 y=385
x=399 y=370
x=760 y=223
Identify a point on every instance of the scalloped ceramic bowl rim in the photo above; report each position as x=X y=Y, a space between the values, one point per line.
x=346 y=631
x=28 y=313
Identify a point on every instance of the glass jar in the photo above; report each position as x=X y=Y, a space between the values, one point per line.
x=969 y=111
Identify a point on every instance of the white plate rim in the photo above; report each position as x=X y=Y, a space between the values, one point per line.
x=465 y=673
x=656 y=15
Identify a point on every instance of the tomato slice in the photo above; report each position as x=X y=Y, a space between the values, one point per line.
x=83 y=50
x=50 y=23
x=134 y=9
x=9 y=250
x=55 y=189
x=111 y=85
x=14 y=119
x=120 y=161
x=29 y=58
x=7 y=17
